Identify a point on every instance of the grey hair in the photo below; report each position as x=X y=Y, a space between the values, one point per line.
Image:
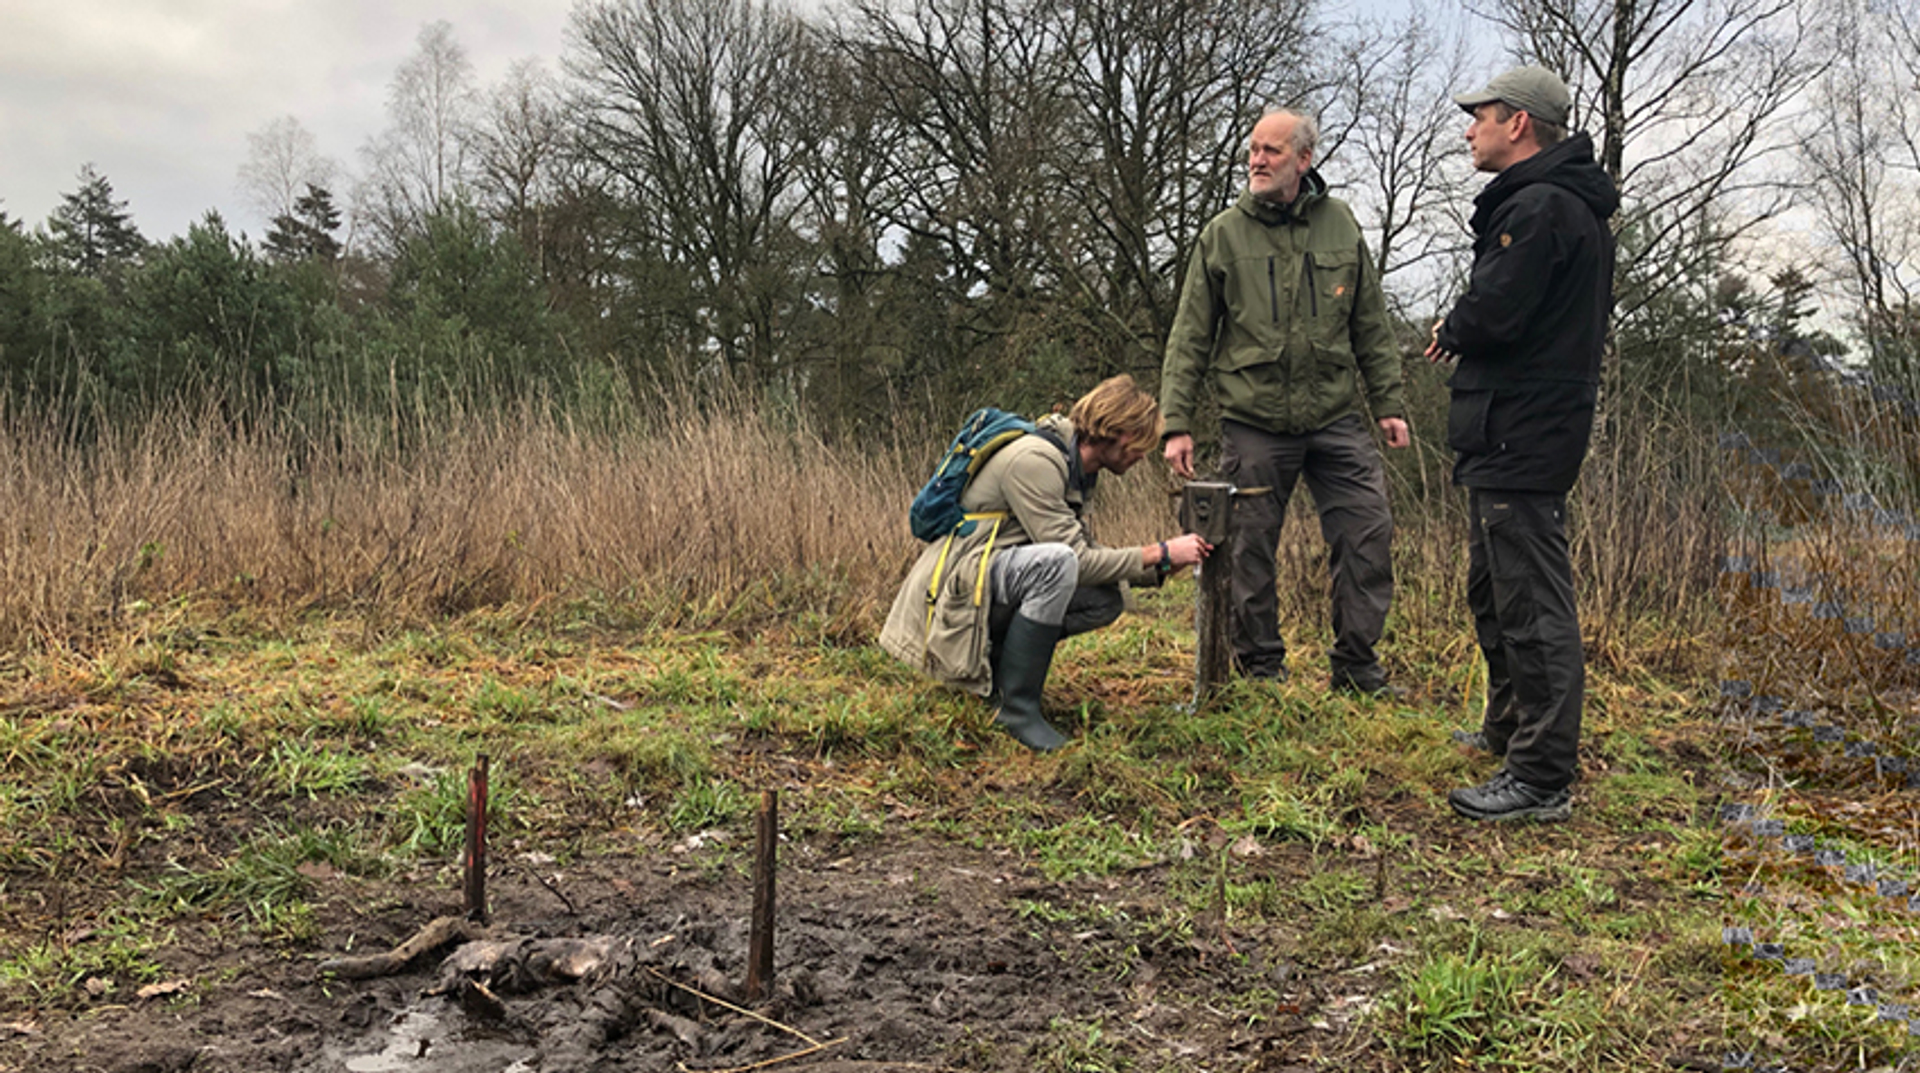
x=1306 y=133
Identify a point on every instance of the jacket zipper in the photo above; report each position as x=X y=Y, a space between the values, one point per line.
x=1273 y=290
x=1313 y=292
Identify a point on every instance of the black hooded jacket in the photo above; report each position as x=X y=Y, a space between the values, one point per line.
x=1530 y=329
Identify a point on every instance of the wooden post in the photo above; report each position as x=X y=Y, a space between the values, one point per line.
x=475 y=857
x=760 y=930
x=1206 y=508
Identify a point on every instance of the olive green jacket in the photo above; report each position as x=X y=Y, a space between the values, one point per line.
x=938 y=624
x=1282 y=307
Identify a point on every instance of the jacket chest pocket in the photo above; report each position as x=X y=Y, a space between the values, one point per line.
x=1332 y=277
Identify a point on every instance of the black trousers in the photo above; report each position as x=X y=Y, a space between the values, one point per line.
x=1343 y=470
x=1520 y=590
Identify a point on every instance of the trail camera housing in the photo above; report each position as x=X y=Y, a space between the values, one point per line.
x=1206 y=508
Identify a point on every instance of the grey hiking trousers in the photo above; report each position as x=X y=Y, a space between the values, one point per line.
x=1348 y=481
x=1041 y=581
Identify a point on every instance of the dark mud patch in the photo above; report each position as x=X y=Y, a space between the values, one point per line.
x=894 y=956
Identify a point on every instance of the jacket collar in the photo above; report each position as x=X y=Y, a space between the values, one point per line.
x=1569 y=165
x=1313 y=188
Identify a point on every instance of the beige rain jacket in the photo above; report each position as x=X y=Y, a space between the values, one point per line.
x=939 y=623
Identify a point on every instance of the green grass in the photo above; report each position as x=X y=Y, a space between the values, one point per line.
x=1279 y=821
x=118 y=952
x=267 y=882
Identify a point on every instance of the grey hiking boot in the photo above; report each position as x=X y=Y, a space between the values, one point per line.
x=1477 y=740
x=1504 y=797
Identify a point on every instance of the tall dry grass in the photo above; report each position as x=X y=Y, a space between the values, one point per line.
x=1646 y=525
x=708 y=509
x=690 y=507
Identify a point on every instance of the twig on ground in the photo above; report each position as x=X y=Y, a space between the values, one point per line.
x=438 y=932
x=1628 y=982
x=801 y=1053
x=552 y=887
x=697 y=993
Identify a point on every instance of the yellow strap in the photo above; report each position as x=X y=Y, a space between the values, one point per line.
x=940 y=567
x=933 y=586
x=980 y=583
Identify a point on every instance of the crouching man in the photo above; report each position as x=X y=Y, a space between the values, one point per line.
x=983 y=610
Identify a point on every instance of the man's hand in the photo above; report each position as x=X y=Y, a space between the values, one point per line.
x=1395 y=430
x=1188 y=550
x=1179 y=452
x=1435 y=354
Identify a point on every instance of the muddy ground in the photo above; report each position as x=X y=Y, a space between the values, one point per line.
x=889 y=956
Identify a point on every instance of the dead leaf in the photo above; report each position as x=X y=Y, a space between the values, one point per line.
x=98 y=985
x=1580 y=966
x=164 y=987
x=315 y=869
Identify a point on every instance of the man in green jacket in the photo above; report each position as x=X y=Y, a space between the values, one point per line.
x=1282 y=314
x=983 y=611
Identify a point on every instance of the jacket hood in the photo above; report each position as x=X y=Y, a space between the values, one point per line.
x=1569 y=165
x=1312 y=188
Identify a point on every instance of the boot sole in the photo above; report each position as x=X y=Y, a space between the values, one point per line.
x=1543 y=813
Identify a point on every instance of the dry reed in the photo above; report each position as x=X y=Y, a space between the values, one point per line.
x=690 y=508
x=716 y=512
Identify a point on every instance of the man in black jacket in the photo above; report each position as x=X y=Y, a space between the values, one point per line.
x=1528 y=336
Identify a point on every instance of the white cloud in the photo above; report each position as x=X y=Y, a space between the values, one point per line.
x=161 y=97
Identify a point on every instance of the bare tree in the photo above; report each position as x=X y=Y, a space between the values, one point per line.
x=1400 y=160
x=1688 y=96
x=1163 y=94
x=847 y=144
x=520 y=152
x=420 y=162
x=1862 y=175
x=283 y=160
x=977 y=87
x=688 y=105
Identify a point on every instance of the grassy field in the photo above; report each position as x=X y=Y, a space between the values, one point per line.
x=211 y=774
x=244 y=675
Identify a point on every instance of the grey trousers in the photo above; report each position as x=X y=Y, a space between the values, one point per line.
x=1041 y=581
x=1520 y=590
x=1343 y=470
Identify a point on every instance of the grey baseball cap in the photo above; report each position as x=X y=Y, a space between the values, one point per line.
x=1533 y=90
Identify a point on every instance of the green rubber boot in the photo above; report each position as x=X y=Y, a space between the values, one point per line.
x=1025 y=656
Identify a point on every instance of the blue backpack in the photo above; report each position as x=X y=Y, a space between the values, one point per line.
x=936 y=511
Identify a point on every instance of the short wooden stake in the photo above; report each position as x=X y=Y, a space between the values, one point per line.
x=475 y=857
x=1206 y=508
x=760 y=932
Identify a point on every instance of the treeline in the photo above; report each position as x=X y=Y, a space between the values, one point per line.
x=878 y=205
x=915 y=206
x=852 y=226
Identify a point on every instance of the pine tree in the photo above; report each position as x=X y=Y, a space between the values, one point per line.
x=306 y=234
x=91 y=232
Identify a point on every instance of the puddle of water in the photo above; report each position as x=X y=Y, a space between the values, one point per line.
x=420 y=1041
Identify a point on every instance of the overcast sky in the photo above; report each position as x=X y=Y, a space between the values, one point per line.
x=160 y=95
